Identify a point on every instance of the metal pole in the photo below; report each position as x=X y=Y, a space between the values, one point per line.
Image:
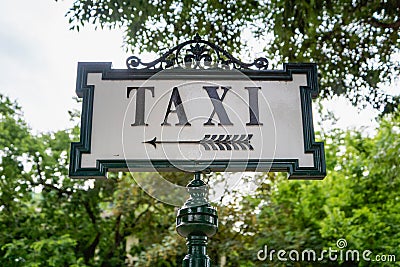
x=197 y=220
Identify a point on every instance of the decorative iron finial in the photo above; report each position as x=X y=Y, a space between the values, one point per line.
x=197 y=37
x=196 y=54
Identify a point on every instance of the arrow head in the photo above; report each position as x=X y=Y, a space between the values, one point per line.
x=153 y=142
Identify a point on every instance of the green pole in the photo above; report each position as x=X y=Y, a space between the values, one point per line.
x=197 y=220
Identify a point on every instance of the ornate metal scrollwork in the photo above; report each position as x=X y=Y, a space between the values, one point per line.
x=196 y=54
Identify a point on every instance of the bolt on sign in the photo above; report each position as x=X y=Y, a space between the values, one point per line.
x=197 y=109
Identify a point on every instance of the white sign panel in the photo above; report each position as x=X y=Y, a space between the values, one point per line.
x=197 y=120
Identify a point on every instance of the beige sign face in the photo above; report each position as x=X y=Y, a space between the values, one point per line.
x=197 y=121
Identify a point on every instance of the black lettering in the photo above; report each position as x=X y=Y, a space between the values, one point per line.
x=254 y=112
x=217 y=103
x=179 y=110
x=140 y=103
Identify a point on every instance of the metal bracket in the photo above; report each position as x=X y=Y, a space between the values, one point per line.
x=196 y=54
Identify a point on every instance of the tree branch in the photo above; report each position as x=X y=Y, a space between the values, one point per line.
x=118 y=238
x=90 y=250
x=376 y=23
x=141 y=214
x=90 y=213
x=43 y=182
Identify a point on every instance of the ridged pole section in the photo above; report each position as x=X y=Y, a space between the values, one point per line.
x=197 y=221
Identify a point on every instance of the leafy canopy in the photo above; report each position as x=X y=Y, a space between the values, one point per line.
x=356 y=44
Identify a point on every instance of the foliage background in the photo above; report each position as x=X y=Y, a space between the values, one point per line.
x=47 y=219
